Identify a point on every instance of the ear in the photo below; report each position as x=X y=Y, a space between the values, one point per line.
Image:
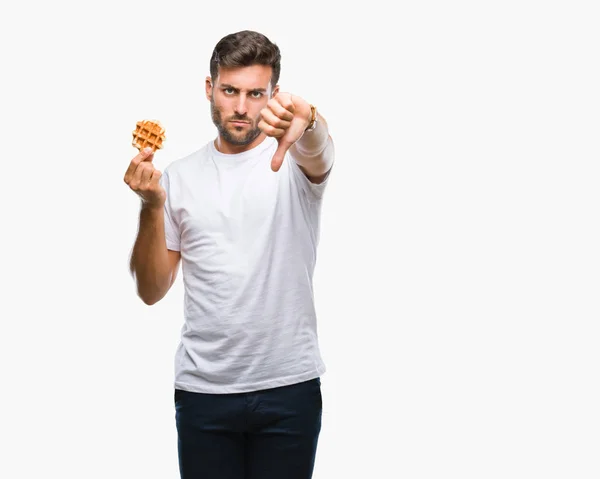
x=275 y=91
x=208 y=87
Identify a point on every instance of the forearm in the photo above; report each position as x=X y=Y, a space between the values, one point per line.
x=314 y=151
x=149 y=263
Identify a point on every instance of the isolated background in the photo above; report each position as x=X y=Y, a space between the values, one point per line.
x=458 y=271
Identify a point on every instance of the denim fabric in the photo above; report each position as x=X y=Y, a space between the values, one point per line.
x=268 y=434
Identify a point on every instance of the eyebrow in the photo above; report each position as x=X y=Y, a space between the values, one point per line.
x=227 y=85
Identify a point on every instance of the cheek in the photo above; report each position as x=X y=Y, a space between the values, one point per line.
x=224 y=109
x=222 y=103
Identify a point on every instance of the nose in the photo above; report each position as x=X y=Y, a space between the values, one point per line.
x=240 y=107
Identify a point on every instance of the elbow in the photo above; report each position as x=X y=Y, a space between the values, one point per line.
x=150 y=288
x=150 y=298
x=149 y=293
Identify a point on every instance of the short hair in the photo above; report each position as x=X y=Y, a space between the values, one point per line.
x=244 y=49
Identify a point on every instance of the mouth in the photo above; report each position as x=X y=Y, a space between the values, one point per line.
x=239 y=123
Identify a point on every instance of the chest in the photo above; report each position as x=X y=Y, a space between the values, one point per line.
x=233 y=208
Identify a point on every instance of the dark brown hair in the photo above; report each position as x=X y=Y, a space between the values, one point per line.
x=244 y=49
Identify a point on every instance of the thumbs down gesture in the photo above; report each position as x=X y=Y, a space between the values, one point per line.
x=286 y=118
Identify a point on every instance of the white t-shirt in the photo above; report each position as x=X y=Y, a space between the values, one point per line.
x=248 y=239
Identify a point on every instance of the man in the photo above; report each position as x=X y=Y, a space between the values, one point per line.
x=242 y=216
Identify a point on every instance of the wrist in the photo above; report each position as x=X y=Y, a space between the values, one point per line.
x=152 y=209
x=312 y=119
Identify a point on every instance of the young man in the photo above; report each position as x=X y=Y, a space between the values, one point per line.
x=242 y=216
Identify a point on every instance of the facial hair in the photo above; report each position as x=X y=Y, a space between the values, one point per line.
x=227 y=136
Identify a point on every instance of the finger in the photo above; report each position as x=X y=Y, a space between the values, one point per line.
x=145 y=155
x=141 y=176
x=155 y=179
x=272 y=119
x=286 y=102
x=148 y=154
x=270 y=130
x=279 y=110
x=279 y=155
x=146 y=175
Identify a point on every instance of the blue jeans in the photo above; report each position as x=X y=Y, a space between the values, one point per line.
x=268 y=434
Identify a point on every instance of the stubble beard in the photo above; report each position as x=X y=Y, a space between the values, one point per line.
x=226 y=134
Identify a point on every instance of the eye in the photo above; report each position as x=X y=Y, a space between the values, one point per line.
x=229 y=91
x=256 y=94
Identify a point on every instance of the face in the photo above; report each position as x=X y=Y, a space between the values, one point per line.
x=236 y=98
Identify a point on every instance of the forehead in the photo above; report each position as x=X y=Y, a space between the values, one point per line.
x=247 y=78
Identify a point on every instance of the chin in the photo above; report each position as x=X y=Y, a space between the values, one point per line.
x=238 y=140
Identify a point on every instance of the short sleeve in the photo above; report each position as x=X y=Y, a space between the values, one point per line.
x=172 y=233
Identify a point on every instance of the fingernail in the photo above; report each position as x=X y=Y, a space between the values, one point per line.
x=147 y=150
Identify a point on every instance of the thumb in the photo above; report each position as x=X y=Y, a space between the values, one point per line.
x=279 y=155
x=147 y=154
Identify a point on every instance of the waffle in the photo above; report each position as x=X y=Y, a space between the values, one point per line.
x=148 y=133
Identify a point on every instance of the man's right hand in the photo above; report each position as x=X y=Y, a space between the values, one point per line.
x=142 y=178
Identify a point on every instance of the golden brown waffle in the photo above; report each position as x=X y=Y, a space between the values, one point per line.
x=148 y=133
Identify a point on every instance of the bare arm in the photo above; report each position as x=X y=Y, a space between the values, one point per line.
x=152 y=265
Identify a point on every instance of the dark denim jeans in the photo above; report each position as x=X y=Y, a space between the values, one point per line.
x=268 y=434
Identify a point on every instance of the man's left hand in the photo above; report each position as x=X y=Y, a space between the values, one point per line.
x=285 y=117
